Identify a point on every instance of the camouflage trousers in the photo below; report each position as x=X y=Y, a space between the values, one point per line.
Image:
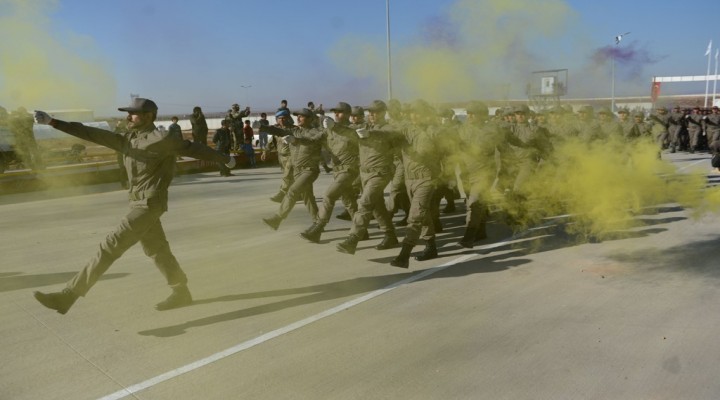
x=141 y=224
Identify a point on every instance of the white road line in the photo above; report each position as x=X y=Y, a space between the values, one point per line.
x=695 y=163
x=131 y=390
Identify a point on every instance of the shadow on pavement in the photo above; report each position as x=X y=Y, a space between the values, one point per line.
x=16 y=280
x=551 y=237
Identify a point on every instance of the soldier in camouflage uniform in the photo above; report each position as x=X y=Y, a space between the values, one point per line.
x=398 y=199
x=235 y=116
x=305 y=143
x=482 y=142
x=712 y=125
x=419 y=143
x=149 y=157
x=377 y=149
x=344 y=152
x=694 y=128
x=283 y=121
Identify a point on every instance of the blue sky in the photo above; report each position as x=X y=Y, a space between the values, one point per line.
x=184 y=53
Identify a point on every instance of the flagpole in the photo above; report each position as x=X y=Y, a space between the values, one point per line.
x=715 y=80
x=707 y=75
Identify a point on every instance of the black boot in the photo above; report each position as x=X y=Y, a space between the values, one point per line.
x=388 y=242
x=403 y=259
x=278 y=198
x=481 y=232
x=437 y=225
x=364 y=236
x=273 y=222
x=313 y=234
x=180 y=297
x=348 y=245
x=429 y=252
x=345 y=216
x=58 y=301
x=468 y=238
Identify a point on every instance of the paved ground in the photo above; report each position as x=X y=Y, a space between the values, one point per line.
x=276 y=317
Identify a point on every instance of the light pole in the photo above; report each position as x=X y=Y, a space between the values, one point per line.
x=389 y=65
x=246 y=95
x=618 y=39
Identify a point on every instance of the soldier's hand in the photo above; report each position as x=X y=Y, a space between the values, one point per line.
x=362 y=133
x=289 y=139
x=328 y=123
x=263 y=156
x=231 y=164
x=42 y=118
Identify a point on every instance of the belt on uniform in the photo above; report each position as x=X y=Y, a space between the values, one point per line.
x=145 y=194
x=418 y=175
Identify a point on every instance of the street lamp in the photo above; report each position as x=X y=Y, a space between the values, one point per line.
x=389 y=66
x=618 y=39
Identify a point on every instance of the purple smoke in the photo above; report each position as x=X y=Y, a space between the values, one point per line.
x=628 y=58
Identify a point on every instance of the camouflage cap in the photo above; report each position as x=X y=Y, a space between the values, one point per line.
x=357 y=111
x=305 y=112
x=604 y=111
x=342 y=107
x=138 y=104
x=377 y=105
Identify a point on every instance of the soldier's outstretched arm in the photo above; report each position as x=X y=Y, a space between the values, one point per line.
x=96 y=135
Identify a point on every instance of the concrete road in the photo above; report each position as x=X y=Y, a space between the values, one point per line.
x=276 y=317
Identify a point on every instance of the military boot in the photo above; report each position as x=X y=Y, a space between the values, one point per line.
x=403 y=259
x=345 y=216
x=273 y=222
x=58 y=301
x=437 y=224
x=278 y=198
x=348 y=245
x=388 y=242
x=429 y=252
x=468 y=238
x=364 y=236
x=481 y=232
x=313 y=234
x=402 y=222
x=180 y=297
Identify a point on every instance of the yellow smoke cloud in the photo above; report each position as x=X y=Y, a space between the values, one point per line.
x=494 y=48
x=42 y=68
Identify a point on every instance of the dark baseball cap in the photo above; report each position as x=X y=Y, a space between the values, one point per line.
x=377 y=105
x=138 y=104
x=342 y=107
x=357 y=111
x=305 y=112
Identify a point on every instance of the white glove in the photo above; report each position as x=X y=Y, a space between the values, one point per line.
x=231 y=164
x=328 y=123
x=362 y=132
x=289 y=139
x=42 y=118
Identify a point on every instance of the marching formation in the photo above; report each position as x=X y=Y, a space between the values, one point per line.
x=418 y=153
x=421 y=155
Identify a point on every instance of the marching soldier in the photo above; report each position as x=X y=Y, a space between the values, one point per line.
x=305 y=143
x=377 y=149
x=344 y=152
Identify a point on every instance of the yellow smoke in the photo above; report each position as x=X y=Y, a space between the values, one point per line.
x=606 y=184
x=44 y=68
x=494 y=49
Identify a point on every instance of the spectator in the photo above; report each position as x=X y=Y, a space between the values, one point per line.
x=248 y=136
x=199 y=126
x=263 y=135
